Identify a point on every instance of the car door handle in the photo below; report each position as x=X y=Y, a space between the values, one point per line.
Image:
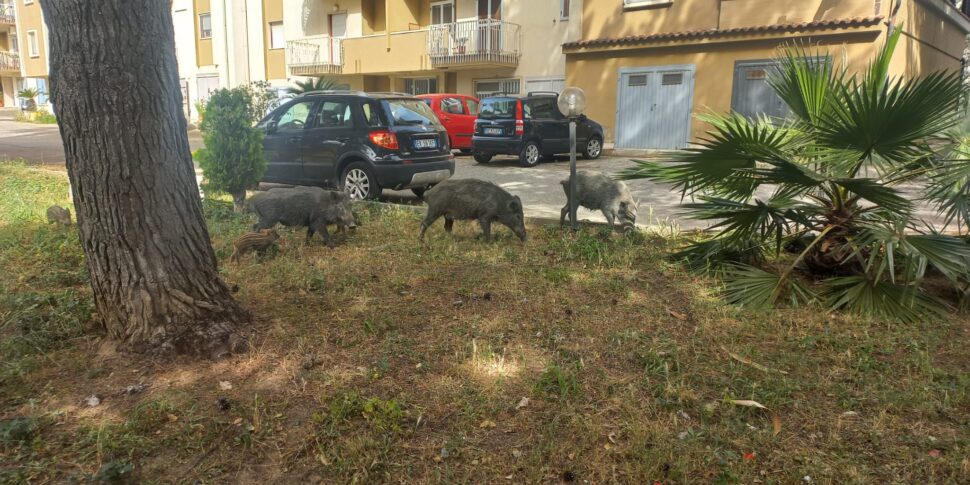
x=293 y=139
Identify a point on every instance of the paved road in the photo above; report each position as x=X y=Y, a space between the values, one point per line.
x=538 y=187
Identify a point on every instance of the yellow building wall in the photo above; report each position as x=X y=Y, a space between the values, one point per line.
x=203 y=47
x=607 y=18
x=30 y=18
x=401 y=53
x=597 y=73
x=275 y=58
x=374 y=17
x=927 y=34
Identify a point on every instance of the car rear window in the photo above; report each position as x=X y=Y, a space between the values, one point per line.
x=497 y=108
x=411 y=112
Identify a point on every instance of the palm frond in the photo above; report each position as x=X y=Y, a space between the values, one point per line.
x=949 y=255
x=758 y=219
x=754 y=287
x=882 y=195
x=711 y=255
x=718 y=168
x=803 y=82
x=880 y=299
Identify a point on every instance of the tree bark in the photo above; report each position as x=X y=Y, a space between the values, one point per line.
x=114 y=84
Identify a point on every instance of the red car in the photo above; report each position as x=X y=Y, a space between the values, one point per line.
x=457 y=112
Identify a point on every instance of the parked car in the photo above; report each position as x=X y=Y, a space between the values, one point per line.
x=457 y=112
x=530 y=127
x=358 y=142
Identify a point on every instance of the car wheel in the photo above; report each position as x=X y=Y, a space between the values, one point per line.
x=593 y=148
x=530 y=154
x=359 y=182
x=482 y=157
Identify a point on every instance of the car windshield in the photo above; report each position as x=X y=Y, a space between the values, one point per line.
x=497 y=108
x=411 y=112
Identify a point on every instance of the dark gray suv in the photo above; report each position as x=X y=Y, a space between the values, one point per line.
x=358 y=142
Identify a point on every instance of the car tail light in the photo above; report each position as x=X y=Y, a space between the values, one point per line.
x=384 y=139
x=519 y=122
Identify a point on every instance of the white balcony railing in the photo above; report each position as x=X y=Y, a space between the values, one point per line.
x=315 y=55
x=474 y=42
x=7 y=15
x=9 y=61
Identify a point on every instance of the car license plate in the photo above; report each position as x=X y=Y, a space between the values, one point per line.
x=493 y=131
x=425 y=143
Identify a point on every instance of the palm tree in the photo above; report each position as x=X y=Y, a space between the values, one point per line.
x=822 y=185
x=313 y=84
x=30 y=95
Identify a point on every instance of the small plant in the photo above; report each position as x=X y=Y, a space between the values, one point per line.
x=313 y=84
x=263 y=98
x=232 y=160
x=200 y=108
x=30 y=96
x=562 y=381
x=830 y=173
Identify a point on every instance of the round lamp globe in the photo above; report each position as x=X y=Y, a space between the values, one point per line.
x=572 y=102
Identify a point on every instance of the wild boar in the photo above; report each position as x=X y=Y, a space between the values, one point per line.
x=597 y=191
x=469 y=199
x=303 y=207
x=253 y=241
x=321 y=195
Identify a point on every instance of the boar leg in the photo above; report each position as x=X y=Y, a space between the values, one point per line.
x=449 y=224
x=309 y=234
x=610 y=217
x=563 y=213
x=326 y=236
x=429 y=219
x=486 y=229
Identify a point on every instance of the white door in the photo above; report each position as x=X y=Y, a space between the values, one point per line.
x=338 y=30
x=654 y=107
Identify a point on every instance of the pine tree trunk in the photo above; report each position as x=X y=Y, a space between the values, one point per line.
x=114 y=83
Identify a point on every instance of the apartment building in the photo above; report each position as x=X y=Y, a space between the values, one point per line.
x=23 y=51
x=424 y=46
x=651 y=65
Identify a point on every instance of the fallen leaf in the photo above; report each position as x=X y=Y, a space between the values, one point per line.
x=225 y=385
x=611 y=437
x=237 y=421
x=173 y=418
x=92 y=400
x=775 y=424
x=516 y=453
x=745 y=402
x=935 y=453
x=749 y=456
x=756 y=365
x=571 y=456
x=509 y=477
x=487 y=424
x=676 y=314
x=522 y=403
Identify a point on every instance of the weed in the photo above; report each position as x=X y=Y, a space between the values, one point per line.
x=562 y=381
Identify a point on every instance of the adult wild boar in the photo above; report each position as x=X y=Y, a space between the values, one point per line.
x=597 y=191
x=303 y=207
x=469 y=199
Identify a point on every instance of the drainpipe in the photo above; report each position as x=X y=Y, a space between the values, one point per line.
x=225 y=32
x=387 y=25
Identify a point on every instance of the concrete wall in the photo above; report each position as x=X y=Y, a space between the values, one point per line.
x=275 y=59
x=30 y=18
x=401 y=52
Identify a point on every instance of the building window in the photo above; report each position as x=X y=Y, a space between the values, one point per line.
x=564 y=9
x=28 y=2
x=205 y=26
x=33 y=50
x=276 y=39
x=442 y=13
x=421 y=86
x=493 y=87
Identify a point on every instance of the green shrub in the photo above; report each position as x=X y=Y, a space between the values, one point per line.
x=232 y=160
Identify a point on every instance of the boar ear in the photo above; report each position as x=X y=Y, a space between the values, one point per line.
x=515 y=205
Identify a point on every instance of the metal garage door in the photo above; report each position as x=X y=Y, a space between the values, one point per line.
x=654 y=107
x=752 y=96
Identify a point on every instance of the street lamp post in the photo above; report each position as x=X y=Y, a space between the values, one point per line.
x=572 y=104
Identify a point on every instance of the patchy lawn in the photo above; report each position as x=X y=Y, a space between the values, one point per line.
x=573 y=358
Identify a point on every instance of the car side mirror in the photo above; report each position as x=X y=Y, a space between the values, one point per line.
x=271 y=126
x=582 y=117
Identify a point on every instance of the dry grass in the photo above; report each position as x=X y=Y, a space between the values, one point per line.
x=422 y=354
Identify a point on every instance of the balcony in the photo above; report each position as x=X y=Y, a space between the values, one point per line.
x=7 y=15
x=318 y=55
x=9 y=62
x=474 y=43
